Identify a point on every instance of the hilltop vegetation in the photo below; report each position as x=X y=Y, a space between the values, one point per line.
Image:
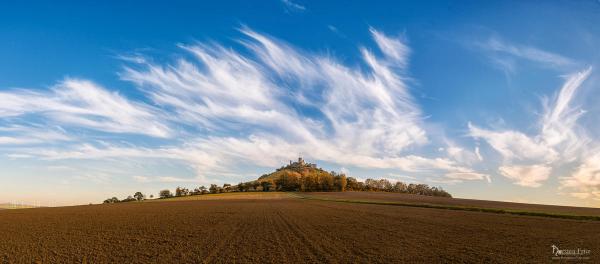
x=300 y=177
x=306 y=177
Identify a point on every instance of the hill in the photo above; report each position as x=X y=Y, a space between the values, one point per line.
x=298 y=168
x=298 y=176
x=302 y=176
x=307 y=177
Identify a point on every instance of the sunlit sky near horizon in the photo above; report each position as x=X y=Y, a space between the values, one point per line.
x=493 y=100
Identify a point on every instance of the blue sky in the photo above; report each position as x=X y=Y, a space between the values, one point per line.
x=490 y=100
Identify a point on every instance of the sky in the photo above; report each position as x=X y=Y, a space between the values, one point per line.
x=492 y=100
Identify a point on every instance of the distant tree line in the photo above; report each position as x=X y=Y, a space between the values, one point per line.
x=384 y=185
x=138 y=196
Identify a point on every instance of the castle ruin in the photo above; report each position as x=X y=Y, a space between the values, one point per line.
x=301 y=164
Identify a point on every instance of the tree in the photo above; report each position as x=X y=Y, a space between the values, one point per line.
x=371 y=185
x=400 y=187
x=203 y=189
x=139 y=196
x=112 y=200
x=268 y=186
x=165 y=194
x=196 y=191
x=340 y=182
x=181 y=191
x=242 y=187
x=255 y=185
x=129 y=199
x=151 y=196
x=385 y=185
x=352 y=184
x=272 y=186
x=214 y=188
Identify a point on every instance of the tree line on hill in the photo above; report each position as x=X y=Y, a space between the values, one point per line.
x=317 y=180
x=290 y=181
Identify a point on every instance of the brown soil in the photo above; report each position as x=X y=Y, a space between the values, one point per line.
x=283 y=230
x=420 y=199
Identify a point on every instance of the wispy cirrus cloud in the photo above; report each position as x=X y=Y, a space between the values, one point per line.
x=336 y=31
x=506 y=55
x=468 y=175
x=292 y=6
x=234 y=92
x=528 y=52
x=361 y=119
x=393 y=48
x=84 y=104
x=163 y=179
x=256 y=108
x=529 y=159
x=32 y=134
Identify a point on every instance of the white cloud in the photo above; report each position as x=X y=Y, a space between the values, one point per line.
x=392 y=48
x=559 y=124
x=250 y=108
x=582 y=195
x=528 y=176
x=84 y=104
x=478 y=154
x=586 y=178
x=460 y=154
x=32 y=134
x=468 y=176
x=527 y=159
x=13 y=140
x=163 y=179
x=232 y=92
x=514 y=145
x=140 y=178
x=400 y=176
x=345 y=171
x=18 y=156
x=293 y=6
x=500 y=49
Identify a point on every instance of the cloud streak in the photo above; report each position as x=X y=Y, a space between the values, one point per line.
x=293 y=6
x=529 y=160
x=84 y=104
x=506 y=55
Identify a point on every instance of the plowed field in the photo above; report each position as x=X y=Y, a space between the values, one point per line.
x=283 y=229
